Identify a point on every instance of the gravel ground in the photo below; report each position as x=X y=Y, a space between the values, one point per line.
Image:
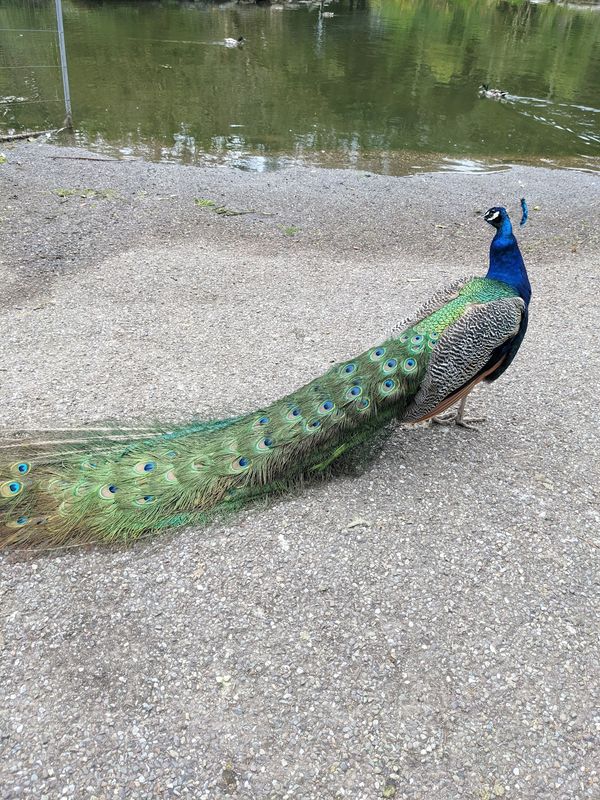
x=426 y=629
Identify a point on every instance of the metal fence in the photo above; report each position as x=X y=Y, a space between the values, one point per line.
x=34 y=83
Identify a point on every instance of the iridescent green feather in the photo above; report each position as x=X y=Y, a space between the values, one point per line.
x=109 y=490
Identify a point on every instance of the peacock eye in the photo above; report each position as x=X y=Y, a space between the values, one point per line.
x=355 y=391
x=263 y=421
x=325 y=407
x=145 y=500
x=293 y=414
x=390 y=366
x=10 y=488
x=23 y=468
x=349 y=369
x=240 y=464
x=312 y=426
x=108 y=491
x=144 y=466
x=387 y=386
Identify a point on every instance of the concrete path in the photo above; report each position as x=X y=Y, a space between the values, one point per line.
x=428 y=629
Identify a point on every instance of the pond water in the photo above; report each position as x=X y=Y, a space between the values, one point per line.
x=387 y=85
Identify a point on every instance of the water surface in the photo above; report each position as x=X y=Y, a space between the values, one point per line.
x=389 y=85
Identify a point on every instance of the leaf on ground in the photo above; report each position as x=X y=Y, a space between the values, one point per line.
x=358 y=522
x=199 y=571
x=390 y=789
x=231 y=212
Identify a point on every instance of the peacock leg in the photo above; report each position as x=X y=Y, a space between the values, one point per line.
x=456 y=416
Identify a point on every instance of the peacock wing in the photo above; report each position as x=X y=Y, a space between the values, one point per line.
x=465 y=352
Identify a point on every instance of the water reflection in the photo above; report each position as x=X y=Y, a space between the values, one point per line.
x=389 y=85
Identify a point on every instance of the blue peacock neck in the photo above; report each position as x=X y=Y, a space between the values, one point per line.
x=506 y=261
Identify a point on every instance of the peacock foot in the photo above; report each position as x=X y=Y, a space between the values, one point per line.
x=454 y=417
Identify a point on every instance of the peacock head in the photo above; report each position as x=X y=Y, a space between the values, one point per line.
x=496 y=216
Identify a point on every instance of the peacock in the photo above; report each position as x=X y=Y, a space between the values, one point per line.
x=123 y=485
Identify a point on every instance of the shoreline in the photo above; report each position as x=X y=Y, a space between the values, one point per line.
x=420 y=628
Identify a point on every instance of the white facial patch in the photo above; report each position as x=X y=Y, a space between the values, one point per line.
x=495 y=215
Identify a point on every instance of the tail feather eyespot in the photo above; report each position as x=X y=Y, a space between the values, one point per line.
x=18 y=523
x=294 y=414
x=108 y=491
x=146 y=500
x=20 y=468
x=11 y=488
x=143 y=467
x=311 y=426
x=417 y=343
x=353 y=392
x=264 y=444
x=241 y=464
x=23 y=521
x=377 y=354
x=326 y=407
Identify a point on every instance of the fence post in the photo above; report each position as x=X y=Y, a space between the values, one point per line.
x=63 y=64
